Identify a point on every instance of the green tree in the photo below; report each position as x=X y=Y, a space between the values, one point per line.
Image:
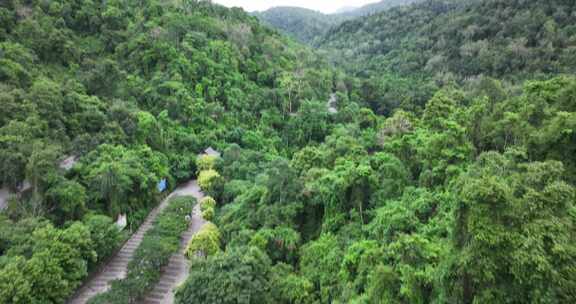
x=204 y=243
x=512 y=234
x=15 y=285
x=320 y=261
x=241 y=275
x=104 y=234
x=66 y=200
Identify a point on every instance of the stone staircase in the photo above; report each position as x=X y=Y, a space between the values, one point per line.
x=171 y=278
x=117 y=266
x=172 y=275
x=176 y=271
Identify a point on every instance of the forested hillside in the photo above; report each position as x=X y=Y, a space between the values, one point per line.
x=434 y=163
x=440 y=42
x=377 y=7
x=310 y=26
x=302 y=24
x=135 y=91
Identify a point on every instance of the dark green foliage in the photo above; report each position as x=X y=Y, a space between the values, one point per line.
x=237 y=276
x=104 y=234
x=516 y=219
x=310 y=26
x=411 y=49
x=302 y=24
x=44 y=264
x=136 y=91
x=445 y=175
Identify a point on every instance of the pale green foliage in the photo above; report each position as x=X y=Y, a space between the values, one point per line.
x=15 y=284
x=208 y=179
x=207 y=202
x=280 y=243
x=149 y=131
x=206 y=162
x=205 y=242
x=208 y=208
x=289 y=287
x=208 y=214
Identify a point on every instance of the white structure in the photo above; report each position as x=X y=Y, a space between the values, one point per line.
x=4 y=196
x=332 y=104
x=122 y=221
x=68 y=162
x=25 y=186
x=210 y=151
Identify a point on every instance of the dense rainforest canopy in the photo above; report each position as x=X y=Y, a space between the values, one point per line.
x=411 y=51
x=445 y=172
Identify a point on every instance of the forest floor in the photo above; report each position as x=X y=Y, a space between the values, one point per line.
x=116 y=267
x=176 y=272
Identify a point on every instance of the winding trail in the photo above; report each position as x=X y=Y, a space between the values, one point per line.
x=117 y=266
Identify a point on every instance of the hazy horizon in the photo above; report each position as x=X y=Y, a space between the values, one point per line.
x=327 y=6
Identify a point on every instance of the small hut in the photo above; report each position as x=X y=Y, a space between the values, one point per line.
x=210 y=151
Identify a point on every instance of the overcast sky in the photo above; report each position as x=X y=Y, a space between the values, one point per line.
x=326 y=6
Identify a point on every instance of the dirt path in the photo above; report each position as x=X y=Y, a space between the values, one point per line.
x=117 y=266
x=176 y=271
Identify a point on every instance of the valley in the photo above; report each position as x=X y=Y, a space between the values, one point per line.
x=400 y=152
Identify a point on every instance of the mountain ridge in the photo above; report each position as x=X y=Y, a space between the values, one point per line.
x=308 y=26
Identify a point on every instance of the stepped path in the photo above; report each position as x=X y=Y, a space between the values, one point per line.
x=117 y=266
x=176 y=271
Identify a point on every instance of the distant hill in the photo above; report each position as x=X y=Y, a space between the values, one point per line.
x=308 y=26
x=302 y=24
x=377 y=7
x=346 y=9
x=464 y=38
x=445 y=41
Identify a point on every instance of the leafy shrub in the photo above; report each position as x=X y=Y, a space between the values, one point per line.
x=104 y=234
x=158 y=245
x=239 y=275
x=206 y=162
x=205 y=242
x=207 y=202
x=208 y=214
x=210 y=181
